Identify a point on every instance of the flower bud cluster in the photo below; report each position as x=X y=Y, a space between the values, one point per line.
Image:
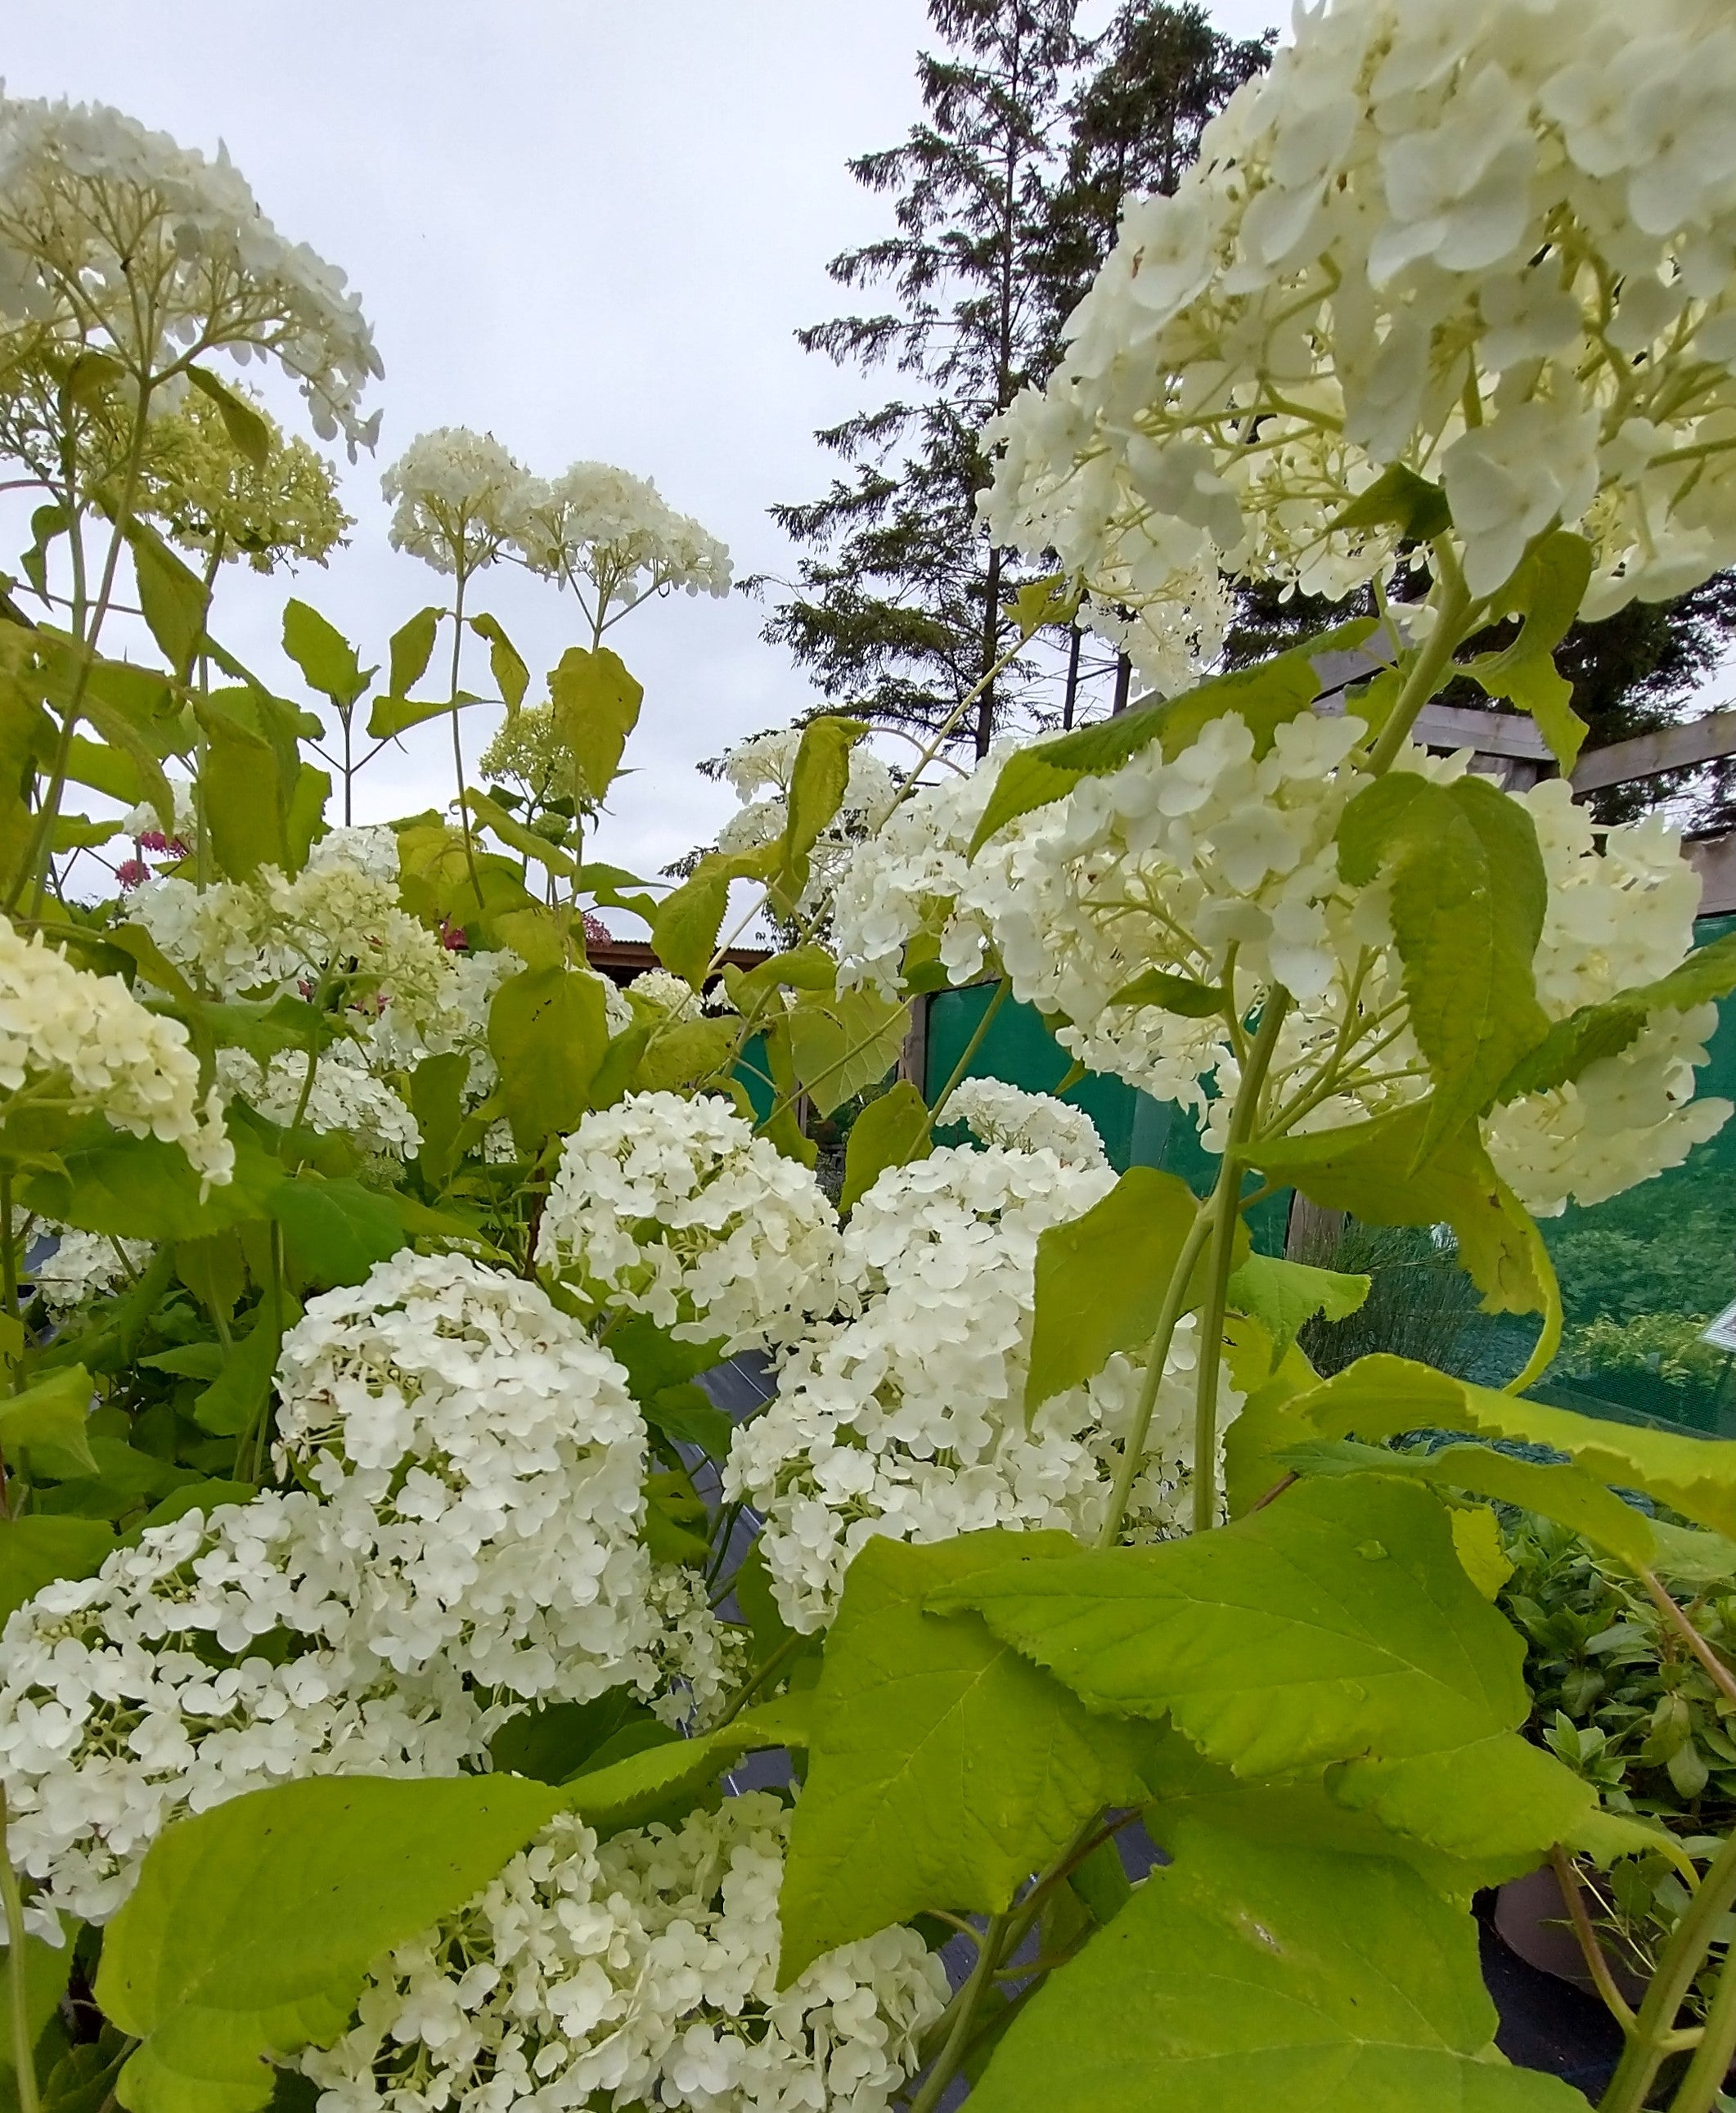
x=639 y=1971
x=908 y=1419
x=674 y=1209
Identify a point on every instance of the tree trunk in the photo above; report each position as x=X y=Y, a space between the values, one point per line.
x=1123 y=682
x=991 y=642
x=1071 y=697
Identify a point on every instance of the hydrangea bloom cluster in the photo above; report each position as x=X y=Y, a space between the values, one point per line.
x=344 y=1096
x=1488 y=240
x=1223 y=855
x=638 y=1972
x=697 y=1662
x=996 y=1113
x=909 y=1419
x=86 y=1040
x=674 y=1208
x=457 y=493
x=82 y=1266
x=341 y=915
x=483 y=1460
x=218 y=1654
x=619 y=535
x=104 y=225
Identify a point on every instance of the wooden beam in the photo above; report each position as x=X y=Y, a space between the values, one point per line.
x=1490 y=733
x=1714 y=859
x=1649 y=755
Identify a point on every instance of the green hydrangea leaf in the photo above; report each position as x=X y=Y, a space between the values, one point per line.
x=1467 y=894
x=337 y=1231
x=1557 y=1491
x=252 y=1925
x=1101 y=1279
x=943 y=1769
x=891 y=1131
x=648 y=1786
x=324 y=655
x=1281 y=1295
x=1378 y=1397
x=841 y=1046
x=38 y=1548
x=1337 y=1621
x=595 y=704
x=817 y=782
x=1597 y=1031
x=47 y=1423
x=1244 y=1975
x=548 y=1030
x=1296 y=1810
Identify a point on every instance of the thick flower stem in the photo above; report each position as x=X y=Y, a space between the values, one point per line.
x=1225 y=1211
x=1699 y=2089
x=982 y=1979
x=1157 y=1356
x=24 y=2054
x=1431 y=663
x=1654 y=2036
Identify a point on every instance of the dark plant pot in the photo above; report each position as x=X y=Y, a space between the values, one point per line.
x=1532 y=1919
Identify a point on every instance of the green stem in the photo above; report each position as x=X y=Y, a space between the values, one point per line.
x=1653 y=2037
x=1451 y=626
x=982 y=1979
x=1225 y=1214
x=960 y=1069
x=1157 y=1356
x=1699 y=2089
x=758 y=1677
x=24 y=2054
x=458 y=744
x=9 y=1253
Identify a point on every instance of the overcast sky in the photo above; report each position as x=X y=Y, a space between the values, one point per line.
x=589 y=228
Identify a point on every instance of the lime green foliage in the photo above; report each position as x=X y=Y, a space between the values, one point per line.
x=1343 y=1975
x=943 y=1769
x=209 y=1984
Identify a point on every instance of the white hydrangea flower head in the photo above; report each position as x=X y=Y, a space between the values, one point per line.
x=996 y=1113
x=670 y=997
x=456 y=1017
x=639 y=1972
x=674 y=1209
x=218 y=935
x=907 y=877
x=483 y=1461
x=131 y=1697
x=908 y=1419
x=106 y=228
x=82 y=1266
x=1494 y=244
x=697 y=1661
x=105 y=1051
x=346 y=1097
x=183 y=826
x=458 y=494
x=617 y=533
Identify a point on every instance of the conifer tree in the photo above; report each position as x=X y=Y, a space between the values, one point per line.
x=897 y=608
